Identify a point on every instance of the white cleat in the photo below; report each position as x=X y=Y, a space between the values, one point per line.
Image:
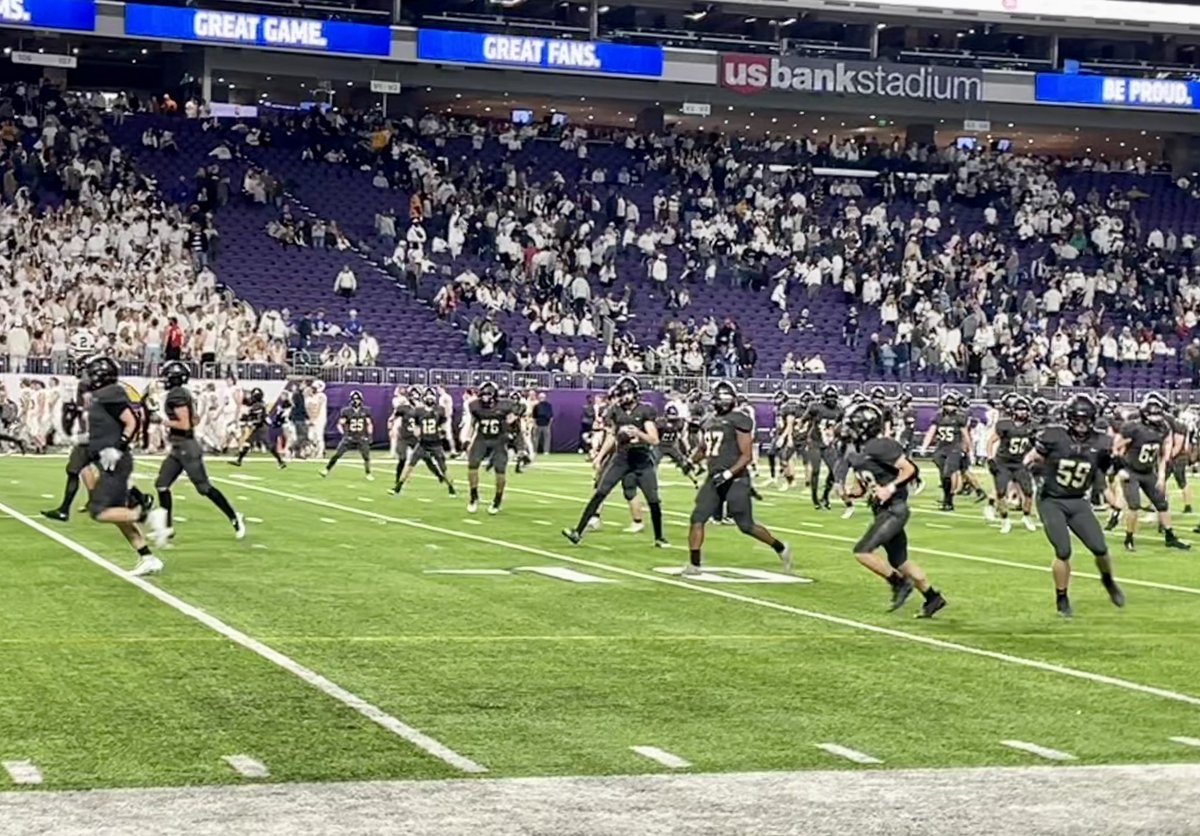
x=690 y=570
x=635 y=528
x=370 y=477
x=785 y=557
x=594 y=524
x=989 y=513
x=239 y=527
x=472 y=507
x=148 y=565
x=1005 y=525
x=323 y=473
x=493 y=509
x=917 y=488
x=848 y=513
x=783 y=486
x=156 y=521
x=1029 y=524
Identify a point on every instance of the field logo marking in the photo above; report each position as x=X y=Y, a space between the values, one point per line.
x=371 y=712
x=918 y=638
x=734 y=574
x=661 y=756
x=1040 y=751
x=23 y=772
x=247 y=766
x=848 y=753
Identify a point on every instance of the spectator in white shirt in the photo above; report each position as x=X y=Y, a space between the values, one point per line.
x=346 y=283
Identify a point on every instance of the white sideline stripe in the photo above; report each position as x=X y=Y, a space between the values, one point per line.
x=467 y=571
x=1187 y=741
x=1040 y=751
x=848 y=753
x=371 y=712
x=247 y=766
x=665 y=758
x=995 y=561
x=23 y=772
x=918 y=638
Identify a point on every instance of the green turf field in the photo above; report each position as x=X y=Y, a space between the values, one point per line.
x=524 y=673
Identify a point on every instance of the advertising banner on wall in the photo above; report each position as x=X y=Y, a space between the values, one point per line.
x=532 y=53
x=750 y=74
x=1117 y=91
x=76 y=15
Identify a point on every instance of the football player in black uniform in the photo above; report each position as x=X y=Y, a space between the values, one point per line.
x=356 y=426
x=906 y=416
x=1070 y=456
x=78 y=460
x=112 y=427
x=490 y=422
x=783 y=441
x=1147 y=445
x=402 y=425
x=822 y=420
x=881 y=471
x=254 y=430
x=727 y=442
x=1010 y=440
x=671 y=440
x=636 y=433
x=184 y=455
x=1177 y=467
x=949 y=430
x=430 y=425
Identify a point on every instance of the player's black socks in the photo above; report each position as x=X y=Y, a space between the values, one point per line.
x=1106 y=578
x=474 y=494
x=930 y=594
x=69 y=493
x=217 y=498
x=694 y=557
x=1060 y=595
x=771 y=462
x=656 y=519
x=144 y=551
x=895 y=579
x=947 y=491
x=166 y=502
x=778 y=546
x=1004 y=512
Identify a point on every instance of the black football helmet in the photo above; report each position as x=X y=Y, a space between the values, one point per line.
x=950 y=402
x=1151 y=410
x=175 y=374
x=1040 y=408
x=256 y=395
x=671 y=412
x=429 y=397
x=724 y=397
x=101 y=371
x=413 y=393
x=877 y=395
x=627 y=390
x=356 y=398
x=780 y=398
x=1019 y=408
x=1080 y=415
x=806 y=398
x=694 y=396
x=864 y=421
x=830 y=396
x=488 y=394
x=904 y=400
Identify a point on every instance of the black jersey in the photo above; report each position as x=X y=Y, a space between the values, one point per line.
x=637 y=416
x=1016 y=439
x=431 y=424
x=1070 y=465
x=875 y=464
x=822 y=422
x=670 y=430
x=490 y=422
x=789 y=411
x=72 y=418
x=256 y=415
x=355 y=420
x=948 y=430
x=721 y=434
x=104 y=417
x=1145 y=446
x=179 y=398
x=403 y=416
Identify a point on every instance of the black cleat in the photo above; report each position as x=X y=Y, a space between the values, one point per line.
x=236 y=463
x=932 y=606
x=282 y=465
x=1113 y=519
x=57 y=514
x=1187 y=509
x=1115 y=594
x=900 y=593
x=948 y=507
x=574 y=536
x=1129 y=546
x=453 y=492
x=1064 y=607
x=1176 y=543
x=754 y=494
x=661 y=544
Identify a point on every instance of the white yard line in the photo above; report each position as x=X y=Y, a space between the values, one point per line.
x=371 y=712
x=665 y=758
x=467 y=572
x=23 y=772
x=247 y=766
x=848 y=753
x=1040 y=751
x=918 y=638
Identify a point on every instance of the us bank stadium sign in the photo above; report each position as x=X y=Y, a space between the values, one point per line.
x=750 y=74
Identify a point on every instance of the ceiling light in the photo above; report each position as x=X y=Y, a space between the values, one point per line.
x=881 y=26
x=750 y=20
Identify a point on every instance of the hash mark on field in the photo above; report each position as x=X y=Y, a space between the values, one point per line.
x=181 y=519
x=241 y=498
x=541 y=522
x=23 y=772
x=47 y=496
x=936 y=525
x=257 y=546
x=472 y=522
x=328 y=520
x=424 y=499
x=543 y=502
x=246 y=766
x=1040 y=751
x=665 y=758
x=331 y=689
x=365 y=499
x=814 y=615
x=812 y=525
x=1187 y=741
x=848 y=753
x=254 y=519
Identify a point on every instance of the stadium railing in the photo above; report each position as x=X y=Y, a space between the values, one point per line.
x=753 y=387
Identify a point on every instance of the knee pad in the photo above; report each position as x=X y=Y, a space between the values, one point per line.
x=629 y=492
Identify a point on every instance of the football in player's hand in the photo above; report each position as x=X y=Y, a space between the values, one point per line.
x=627 y=433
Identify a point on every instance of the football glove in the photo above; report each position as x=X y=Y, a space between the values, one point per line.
x=110 y=457
x=720 y=478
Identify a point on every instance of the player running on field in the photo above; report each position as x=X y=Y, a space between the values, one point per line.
x=357 y=427
x=672 y=432
x=184 y=455
x=429 y=420
x=78 y=460
x=882 y=472
x=726 y=442
x=949 y=431
x=1146 y=445
x=822 y=420
x=490 y=420
x=1070 y=456
x=782 y=456
x=254 y=430
x=1011 y=438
